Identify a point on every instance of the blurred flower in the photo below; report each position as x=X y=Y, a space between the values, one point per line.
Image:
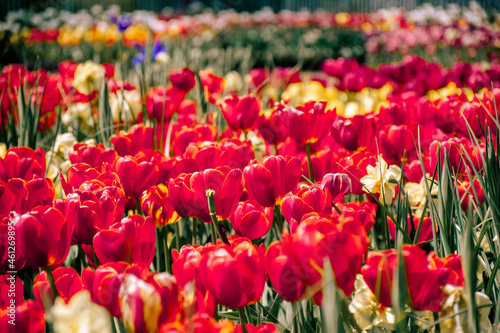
x=88 y=77
x=379 y=177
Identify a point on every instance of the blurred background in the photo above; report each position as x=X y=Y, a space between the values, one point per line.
x=187 y=6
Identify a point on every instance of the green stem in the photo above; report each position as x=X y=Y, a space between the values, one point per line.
x=279 y=218
x=96 y=260
x=309 y=164
x=243 y=319
x=211 y=206
x=81 y=256
x=52 y=283
x=195 y=224
x=214 y=235
x=138 y=207
x=166 y=251
x=178 y=236
x=157 y=250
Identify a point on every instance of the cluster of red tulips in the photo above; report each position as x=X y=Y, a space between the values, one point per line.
x=274 y=200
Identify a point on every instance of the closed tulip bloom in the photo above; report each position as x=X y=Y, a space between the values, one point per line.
x=284 y=272
x=131 y=240
x=94 y=209
x=240 y=112
x=29 y=318
x=141 y=305
x=94 y=155
x=365 y=212
x=186 y=264
x=271 y=125
x=343 y=241
x=139 y=137
x=163 y=102
x=427 y=274
x=22 y=162
x=41 y=192
x=270 y=180
x=414 y=223
x=10 y=261
x=188 y=192
x=252 y=220
x=338 y=184
x=308 y=123
x=67 y=281
x=307 y=200
x=197 y=133
x=182 y=78
x=45 y=237
x=378 y=273
x=354 y=133
x=234 y=274
x=104 y=284
x=135 y=177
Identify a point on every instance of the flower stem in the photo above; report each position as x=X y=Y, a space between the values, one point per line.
x=96 y=260
x=195 y=229
x=279 y=218
x=138 y=207
x=164 y=233
x=309 y=164
x=211 y=206
x=243 y=319
x=52 y=283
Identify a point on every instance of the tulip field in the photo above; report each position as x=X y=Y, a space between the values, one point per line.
x=334 y=181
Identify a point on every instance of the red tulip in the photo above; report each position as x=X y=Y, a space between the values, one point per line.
x=365 y=212
x=22 y=162
x=428 y=274
x=188 y=192
x=67 y=281
x=454 y=150
x=197 y=133
x=135 y=177
x=45 y=237
x=378 y=273
x=425 y=234
x=27 y=317
x=297 y=261
x=284 y=272
x=271 y=125
x=212 y=85
x=308 y=123
x=270 y=180
x=139 y=137
x=263 y=328
x=240 y=113
x=355 y=167
x=307 y=200
x=163 y=102
x=93 y=208
x=251 y=220
x=104 y=284
x=11 y=257
x=186 y=264
x=41 y=192
x=466 y=192
x=182 y=78
x=234 y=274
x=93 y=155
x=11 y=291
x=354 y=133
x=131 y=240
x=13 y=195
x=168 y=289
x=155 y=203
x=338 y=184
